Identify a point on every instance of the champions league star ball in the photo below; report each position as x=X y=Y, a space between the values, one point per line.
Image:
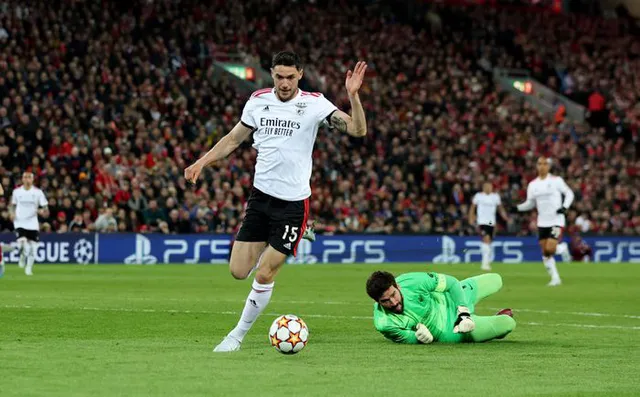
x=289 y=334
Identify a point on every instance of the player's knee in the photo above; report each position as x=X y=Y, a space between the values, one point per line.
x=239 y=274
x=496 y=280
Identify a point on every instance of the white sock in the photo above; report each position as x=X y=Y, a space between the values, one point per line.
x=563 y=249
x=23 y=252
x=485 y=249
x=257 y=300
x=31 y=256
x=550 y=265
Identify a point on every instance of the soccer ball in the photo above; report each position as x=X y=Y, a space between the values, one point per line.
x=289 y=334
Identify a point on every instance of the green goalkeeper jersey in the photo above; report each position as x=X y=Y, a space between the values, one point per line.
x=428 y=298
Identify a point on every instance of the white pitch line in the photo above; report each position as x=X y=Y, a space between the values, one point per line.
x=583 y=326
x=342 y=303
x=588 y=326
x=585 y=314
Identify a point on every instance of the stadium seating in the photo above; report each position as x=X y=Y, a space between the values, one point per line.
x=107 y=104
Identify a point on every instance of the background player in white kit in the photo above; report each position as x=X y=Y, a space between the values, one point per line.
x=545 y=194
x=27 y=202
x=284 y=121
x=487 y=203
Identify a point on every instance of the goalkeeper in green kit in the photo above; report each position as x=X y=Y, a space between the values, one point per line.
x=433 y=307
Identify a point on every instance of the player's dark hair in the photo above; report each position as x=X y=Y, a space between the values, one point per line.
x=378 y=283
x=286 y=58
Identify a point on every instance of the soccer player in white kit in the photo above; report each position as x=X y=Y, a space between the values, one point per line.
x=545 y=194
x=487 y=203
x=27 y=202
x=284 y=121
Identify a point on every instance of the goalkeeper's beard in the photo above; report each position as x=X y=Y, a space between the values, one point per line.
x=399 y=307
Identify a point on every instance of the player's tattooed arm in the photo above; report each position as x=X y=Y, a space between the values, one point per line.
x=338 y=122
x=354 y=126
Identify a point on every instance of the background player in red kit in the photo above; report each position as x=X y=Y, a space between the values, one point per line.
x=284 y=121
x=580 y=250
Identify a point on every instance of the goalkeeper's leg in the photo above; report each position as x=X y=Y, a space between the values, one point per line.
x=479 y=287
x=492 y=327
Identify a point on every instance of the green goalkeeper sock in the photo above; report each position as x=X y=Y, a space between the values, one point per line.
x=492 y=327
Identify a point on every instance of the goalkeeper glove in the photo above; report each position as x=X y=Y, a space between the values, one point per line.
x=561 y=210
x=464 y=323
x=423 y=334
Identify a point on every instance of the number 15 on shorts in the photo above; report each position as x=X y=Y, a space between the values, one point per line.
x=290 y=233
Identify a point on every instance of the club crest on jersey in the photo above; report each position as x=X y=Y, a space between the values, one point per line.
x=301 y=108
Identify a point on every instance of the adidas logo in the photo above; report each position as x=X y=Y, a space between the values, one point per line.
x=266 y=108
x=287 y=246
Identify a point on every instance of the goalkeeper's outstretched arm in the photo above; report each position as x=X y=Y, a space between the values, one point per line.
x=400 y=335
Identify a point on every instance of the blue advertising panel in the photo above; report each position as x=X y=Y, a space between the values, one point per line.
x=130 y=248
x=148 y=249
x=57 y=248
x=449 y=249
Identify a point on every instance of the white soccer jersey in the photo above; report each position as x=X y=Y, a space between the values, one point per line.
x=27 y=203
x=546 y=196
x=284 y=135
x=487 y=205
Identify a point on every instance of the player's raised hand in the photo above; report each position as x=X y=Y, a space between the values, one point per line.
x=354 y=78
x=464 y=323
x=192 y=172
x=423 y=334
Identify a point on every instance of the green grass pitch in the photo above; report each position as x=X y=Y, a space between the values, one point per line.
x=149 y=331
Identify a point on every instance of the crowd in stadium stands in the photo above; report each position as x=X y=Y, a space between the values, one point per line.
x=108 y=102
x=594 y=61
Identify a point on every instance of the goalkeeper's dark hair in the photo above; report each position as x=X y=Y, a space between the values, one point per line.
x=286 y=58
x=378 y=283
